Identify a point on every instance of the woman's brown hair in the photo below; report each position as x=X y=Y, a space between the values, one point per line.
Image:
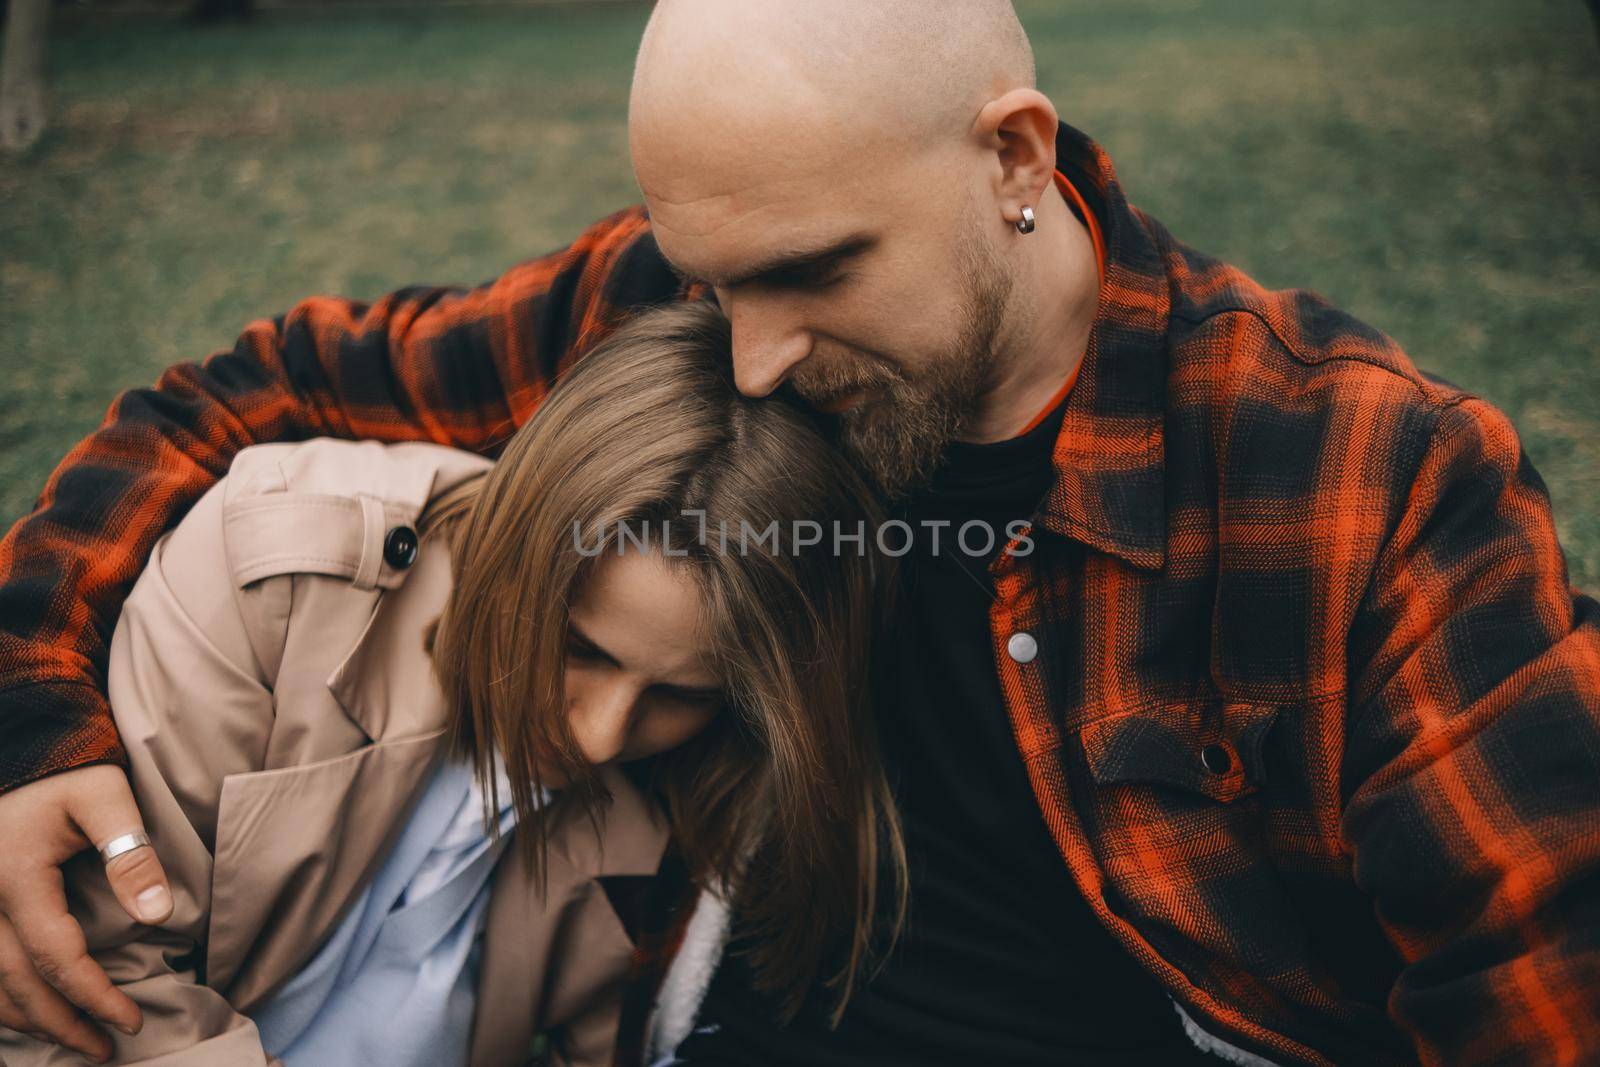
x=782 y=803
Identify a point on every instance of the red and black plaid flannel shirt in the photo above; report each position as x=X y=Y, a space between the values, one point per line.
x=1315 y=718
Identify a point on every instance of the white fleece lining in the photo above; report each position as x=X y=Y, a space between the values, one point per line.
x=689 y=975
x=1208 y=1042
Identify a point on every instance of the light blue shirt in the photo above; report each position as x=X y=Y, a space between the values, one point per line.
x=395 y=984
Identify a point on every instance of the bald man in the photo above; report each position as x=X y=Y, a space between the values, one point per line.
x=1237 y=703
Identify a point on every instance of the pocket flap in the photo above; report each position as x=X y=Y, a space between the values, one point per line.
x=294 y=847
x=1215 y=749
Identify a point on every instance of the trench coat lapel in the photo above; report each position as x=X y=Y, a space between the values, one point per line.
x=555 y=951
x=387 y=685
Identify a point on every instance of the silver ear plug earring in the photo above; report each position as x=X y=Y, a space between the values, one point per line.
x=1026 y=225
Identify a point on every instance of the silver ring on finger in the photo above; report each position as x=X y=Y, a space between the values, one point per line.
x=123 y=843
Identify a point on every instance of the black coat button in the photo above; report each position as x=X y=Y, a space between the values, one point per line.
x=400 y=547
x=1216 y=759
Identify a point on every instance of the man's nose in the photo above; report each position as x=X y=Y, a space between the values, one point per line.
x=767 y=343
x=601 y=720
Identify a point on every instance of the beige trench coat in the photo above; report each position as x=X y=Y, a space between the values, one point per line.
x=269 y=680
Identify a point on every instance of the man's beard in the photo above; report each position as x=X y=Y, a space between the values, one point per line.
x=897 y=438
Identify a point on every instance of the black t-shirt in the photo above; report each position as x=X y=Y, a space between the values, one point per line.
x=1002 y=961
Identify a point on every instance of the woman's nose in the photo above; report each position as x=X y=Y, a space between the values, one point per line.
x=600 y=721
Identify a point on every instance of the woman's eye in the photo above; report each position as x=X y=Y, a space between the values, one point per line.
x=698 y=700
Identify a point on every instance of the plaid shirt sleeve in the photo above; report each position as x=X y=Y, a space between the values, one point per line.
x=1472 y=763
x=455 y=366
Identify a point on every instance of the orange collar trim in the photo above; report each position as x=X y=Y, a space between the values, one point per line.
x=1061 y=394
x=1072 y=194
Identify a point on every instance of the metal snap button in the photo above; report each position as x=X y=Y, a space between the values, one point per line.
x=400 y=547
x=1022 y=647
x=1216 y=759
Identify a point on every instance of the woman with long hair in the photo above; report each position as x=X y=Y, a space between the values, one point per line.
x=412 y=732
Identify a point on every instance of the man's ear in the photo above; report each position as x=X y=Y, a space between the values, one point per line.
x=1020 y=128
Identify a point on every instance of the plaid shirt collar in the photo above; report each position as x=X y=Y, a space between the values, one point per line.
x=1110 y=459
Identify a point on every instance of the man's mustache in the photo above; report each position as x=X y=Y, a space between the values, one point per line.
x=822 y=385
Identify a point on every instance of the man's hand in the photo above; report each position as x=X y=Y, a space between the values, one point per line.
x=45 y=969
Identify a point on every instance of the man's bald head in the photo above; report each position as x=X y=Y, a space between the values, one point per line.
x=910 y=70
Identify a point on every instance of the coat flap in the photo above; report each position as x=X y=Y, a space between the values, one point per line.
x=293 y=847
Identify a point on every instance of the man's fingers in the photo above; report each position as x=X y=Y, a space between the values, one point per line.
x=45 y=970
x=30 y=1005
x=54 y=945
x=107 y=812
x=11 y=1016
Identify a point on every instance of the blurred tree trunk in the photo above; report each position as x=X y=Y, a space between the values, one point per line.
x=22 y=74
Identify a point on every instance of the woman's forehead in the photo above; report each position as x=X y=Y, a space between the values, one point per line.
x=647 y=614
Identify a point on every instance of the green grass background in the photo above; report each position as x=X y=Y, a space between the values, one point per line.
x=1433 y=167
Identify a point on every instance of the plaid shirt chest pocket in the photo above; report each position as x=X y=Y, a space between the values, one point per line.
x=1209 y=746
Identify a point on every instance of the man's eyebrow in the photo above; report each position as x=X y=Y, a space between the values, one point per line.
x=788 y=263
